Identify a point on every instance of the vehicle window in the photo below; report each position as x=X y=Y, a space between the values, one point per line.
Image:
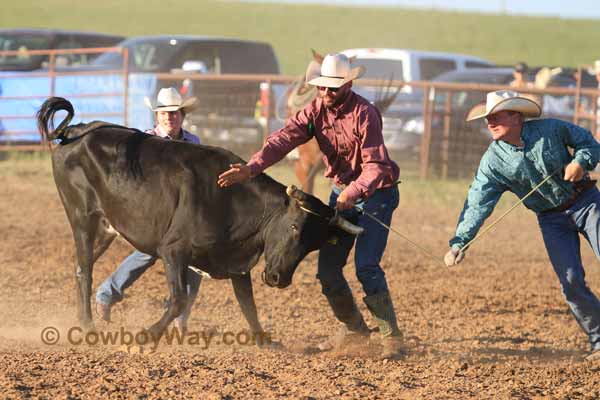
x=248 y=58
x=144 y=56
x=459 y=98
x=66 y=59
x=206 y=53
x=22 y=43
x=477 y=64
x=380 y=68
x=432 y=67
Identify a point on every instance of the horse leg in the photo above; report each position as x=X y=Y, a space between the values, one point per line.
x=301 y=173
x=312 y=173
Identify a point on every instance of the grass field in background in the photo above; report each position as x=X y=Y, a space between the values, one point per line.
x=292 y=29
x=414 y=192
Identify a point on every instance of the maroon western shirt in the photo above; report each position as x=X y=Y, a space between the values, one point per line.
x=350 y=138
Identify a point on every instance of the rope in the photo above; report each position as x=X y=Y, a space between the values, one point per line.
x=483 y=232
x=389 y=228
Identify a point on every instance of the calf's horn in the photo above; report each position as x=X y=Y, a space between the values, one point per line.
x=291 y=191
x=345 y=225
x=336 y=220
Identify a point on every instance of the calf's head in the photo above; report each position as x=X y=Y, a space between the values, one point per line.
x=304 y=226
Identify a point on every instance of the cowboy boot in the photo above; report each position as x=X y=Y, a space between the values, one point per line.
x=354 y=328
x=103 y=311
x=381 y=308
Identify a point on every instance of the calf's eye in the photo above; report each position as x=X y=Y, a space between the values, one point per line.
x=294 y=227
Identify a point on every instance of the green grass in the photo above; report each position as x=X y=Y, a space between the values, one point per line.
x=293 y=29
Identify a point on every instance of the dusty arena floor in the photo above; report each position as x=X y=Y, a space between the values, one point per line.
x=494 y=327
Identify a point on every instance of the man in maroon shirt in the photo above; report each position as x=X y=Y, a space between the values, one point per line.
x=348 y=130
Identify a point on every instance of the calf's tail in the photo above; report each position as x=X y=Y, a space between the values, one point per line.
x=45 y=118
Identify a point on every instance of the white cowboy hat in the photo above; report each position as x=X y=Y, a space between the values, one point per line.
x=335 y=71
x=505 y=100
x=595 y=69
x=169 y=99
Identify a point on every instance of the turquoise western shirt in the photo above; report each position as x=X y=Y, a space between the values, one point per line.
x=505 y=167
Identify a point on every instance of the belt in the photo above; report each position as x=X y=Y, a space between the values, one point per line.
x=580 y=187
x=342 y=186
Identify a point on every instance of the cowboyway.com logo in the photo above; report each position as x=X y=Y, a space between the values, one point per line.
x=76 y=336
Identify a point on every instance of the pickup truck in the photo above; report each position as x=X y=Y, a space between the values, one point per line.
x=406 y=65
x=227 y=108
x=399 y=65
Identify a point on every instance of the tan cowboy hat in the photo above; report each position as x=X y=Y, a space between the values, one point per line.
x=335 y=71
x=169 y=99
x=505 y=100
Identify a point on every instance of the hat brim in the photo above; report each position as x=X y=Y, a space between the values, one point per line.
x=335 y=82
x=527 y=107
x=187 y=105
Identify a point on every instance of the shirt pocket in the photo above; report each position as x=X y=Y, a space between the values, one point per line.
x=553 y=153
x=347 y=141
x=326 y=140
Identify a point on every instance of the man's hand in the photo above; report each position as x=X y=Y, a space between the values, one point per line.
x=453 y=256
x=235 y=174
x=573 y=172
x=343 y=203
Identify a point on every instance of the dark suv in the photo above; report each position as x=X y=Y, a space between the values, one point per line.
x=226 y=114
x=22 y=40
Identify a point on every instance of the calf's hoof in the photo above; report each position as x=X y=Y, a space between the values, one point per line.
x=270 y=345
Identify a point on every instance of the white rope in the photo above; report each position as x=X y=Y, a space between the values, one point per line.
x=509 y=210
x=389 y=228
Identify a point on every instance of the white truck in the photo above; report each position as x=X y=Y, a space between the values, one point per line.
x=406 y=65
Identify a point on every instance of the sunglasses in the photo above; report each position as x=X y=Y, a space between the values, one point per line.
x=331 y=89
x=497 y=118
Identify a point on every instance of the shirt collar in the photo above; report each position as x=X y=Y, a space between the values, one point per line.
x=160 y=132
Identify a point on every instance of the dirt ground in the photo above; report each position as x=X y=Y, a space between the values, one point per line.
x=494 y=327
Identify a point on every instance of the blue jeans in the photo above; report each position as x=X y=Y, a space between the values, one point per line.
x=561 y=236
x=112 y=289
x=370 y=246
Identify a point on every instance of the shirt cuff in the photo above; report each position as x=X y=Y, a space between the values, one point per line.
x=255 y=169
x=457 y=243
x=584 y=161
x=353 y=192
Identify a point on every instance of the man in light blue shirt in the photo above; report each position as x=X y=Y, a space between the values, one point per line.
x=522 y=154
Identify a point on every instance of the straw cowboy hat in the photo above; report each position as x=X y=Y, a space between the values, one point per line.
x=334 y=72
x=169 y=99
x=505 y=100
